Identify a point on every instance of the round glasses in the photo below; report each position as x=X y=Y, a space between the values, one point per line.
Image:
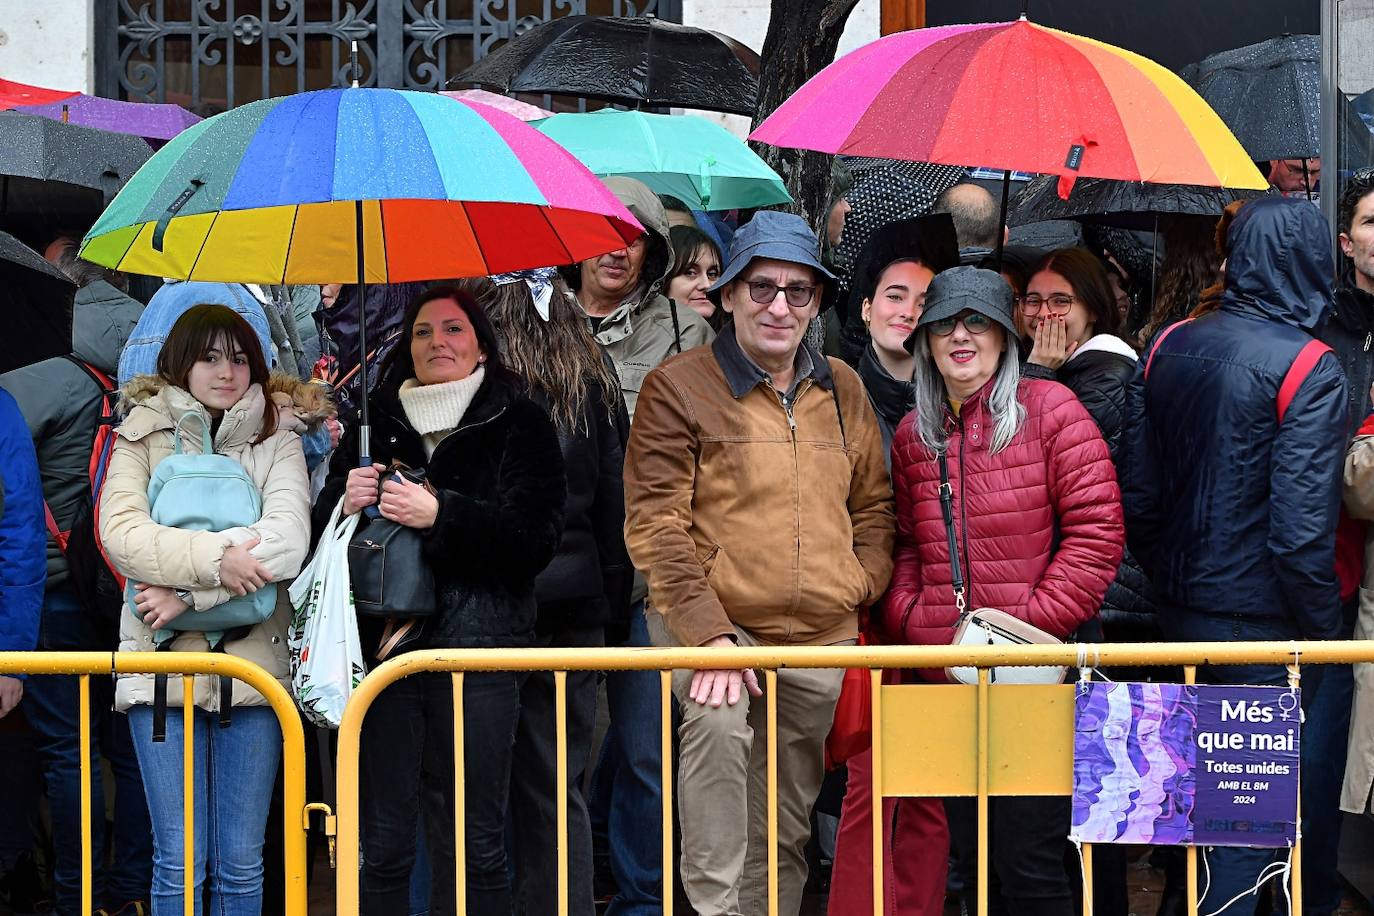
x=1059 y=304
x=974 y=323
x=763 y=292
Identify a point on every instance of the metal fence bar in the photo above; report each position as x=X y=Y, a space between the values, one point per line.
x=560 y=700
x=1066 y=655
x=1190 y=677
x=876 y=658
x=665 y=697
x=876 y=788
x=1295 y=862
x=188 y=796
x=85 y=664
x=460 y=807
x=771 y=686
x=87 y=857
x=983 y=801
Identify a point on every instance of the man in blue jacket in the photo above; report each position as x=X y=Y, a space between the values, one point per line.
x=1231 y=510
x=23 y=569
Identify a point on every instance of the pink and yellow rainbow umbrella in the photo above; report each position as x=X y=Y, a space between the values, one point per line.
x=1013 y=96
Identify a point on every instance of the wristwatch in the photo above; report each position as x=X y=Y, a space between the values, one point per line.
x=185 y=595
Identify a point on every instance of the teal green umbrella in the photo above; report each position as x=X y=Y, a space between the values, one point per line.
x=693 y=159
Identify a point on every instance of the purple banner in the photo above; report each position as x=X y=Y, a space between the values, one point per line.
x=1169 y=764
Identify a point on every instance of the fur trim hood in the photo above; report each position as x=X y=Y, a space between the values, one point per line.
x=311 y=401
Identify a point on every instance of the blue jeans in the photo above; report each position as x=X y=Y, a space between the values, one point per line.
x=52 y=705
x=626 y=803
x=235 y=768
x=1233 y=870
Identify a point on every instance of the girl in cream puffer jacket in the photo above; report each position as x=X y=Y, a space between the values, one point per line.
x=212 y=366
x=148 y=552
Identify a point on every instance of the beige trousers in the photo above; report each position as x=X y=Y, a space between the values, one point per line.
x=722 y=790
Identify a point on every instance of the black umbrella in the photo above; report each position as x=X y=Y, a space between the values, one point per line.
x=55 y=176
x=35 y=306
x=639 y=61
x=1124 y=204
x=1269 y=94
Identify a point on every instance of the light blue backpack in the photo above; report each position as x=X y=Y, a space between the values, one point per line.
x=207 y=492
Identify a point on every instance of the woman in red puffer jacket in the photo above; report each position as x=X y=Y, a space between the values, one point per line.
x=1037 y=518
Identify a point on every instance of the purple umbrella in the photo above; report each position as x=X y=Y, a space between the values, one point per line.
x=140 y=119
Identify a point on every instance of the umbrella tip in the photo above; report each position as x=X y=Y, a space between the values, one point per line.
x=353 y=62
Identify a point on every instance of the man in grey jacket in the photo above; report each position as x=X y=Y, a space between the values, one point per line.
x=61 y=404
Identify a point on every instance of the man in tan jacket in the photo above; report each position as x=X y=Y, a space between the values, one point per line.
x=758 y=503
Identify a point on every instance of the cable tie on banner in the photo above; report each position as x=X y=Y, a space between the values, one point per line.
x=1281 y=867
x=1294 y=669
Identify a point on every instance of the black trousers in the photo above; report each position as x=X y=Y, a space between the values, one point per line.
x=1025 y=855
x=406 y=769
x=533 y=797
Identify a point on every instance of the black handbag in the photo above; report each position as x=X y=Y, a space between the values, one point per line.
x=386 y=564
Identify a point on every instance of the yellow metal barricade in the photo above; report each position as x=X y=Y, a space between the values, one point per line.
x=84 y=665
x=928 y=740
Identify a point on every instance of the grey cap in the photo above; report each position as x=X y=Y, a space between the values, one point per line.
x=771 y=234
x=967 y=289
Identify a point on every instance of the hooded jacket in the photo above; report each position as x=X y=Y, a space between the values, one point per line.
x=61 y=404
x=169 y=303
x=148 y=552
x=1230 y=512
x=643 y=331
x=501 y=489
x=1038 y=524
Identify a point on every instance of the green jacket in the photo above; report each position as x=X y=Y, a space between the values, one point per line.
x=645 y=330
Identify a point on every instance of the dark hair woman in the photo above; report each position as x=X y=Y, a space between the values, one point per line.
x=696 y=267
x=585 y=589
x=1037 y=512
x=1192 y=264
x=491 y=523
x=1070 y=316
x=211 y=366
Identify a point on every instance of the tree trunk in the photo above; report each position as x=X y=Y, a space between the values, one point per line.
x=802 y=38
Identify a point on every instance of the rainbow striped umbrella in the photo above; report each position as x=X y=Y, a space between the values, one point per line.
x=1013 y=96
x=281 y=191
x=357 y=186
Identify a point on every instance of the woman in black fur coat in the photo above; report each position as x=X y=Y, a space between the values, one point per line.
x=492 y=523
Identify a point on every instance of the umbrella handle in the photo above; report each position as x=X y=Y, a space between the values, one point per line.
x=365 y=461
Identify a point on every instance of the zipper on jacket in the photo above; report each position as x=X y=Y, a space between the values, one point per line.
x=963 y=521
x=796 y=472
x=1368 y=339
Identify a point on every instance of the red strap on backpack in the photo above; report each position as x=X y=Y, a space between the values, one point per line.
x=1149 y=360
x=58 y=535
x=1302 y=367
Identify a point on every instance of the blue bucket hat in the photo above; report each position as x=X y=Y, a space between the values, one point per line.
x=771 y=234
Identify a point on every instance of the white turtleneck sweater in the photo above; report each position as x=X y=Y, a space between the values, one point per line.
x=436 y=410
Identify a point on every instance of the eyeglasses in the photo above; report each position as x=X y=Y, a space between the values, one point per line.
x=974 y=323
x=1059 y=304
x=764 y=292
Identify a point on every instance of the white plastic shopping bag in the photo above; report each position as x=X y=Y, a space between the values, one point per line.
x=326 y=654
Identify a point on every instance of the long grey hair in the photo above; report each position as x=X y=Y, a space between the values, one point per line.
x=1008 y=412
